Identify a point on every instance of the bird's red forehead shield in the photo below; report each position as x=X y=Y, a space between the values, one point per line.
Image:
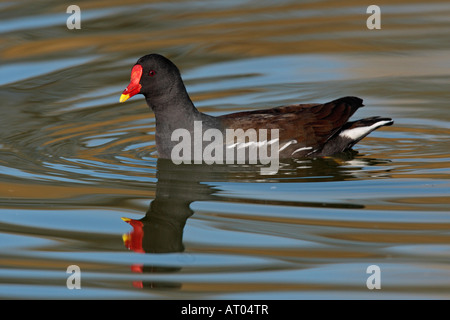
x=134 y=87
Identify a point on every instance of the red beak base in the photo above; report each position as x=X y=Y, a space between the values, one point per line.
x=134 y=87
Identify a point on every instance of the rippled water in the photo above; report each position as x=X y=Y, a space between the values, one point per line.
x=80 y=183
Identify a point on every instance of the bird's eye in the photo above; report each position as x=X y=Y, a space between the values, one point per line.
x=151 y=73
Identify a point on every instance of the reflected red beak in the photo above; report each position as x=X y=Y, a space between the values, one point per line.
x=133 y=240
x=134 y=87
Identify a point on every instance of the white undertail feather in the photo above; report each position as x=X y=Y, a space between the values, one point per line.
x=361 y=132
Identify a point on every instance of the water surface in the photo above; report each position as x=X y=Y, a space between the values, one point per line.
x=80 y=183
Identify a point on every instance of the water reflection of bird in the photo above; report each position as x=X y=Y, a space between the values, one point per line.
x=161 y=229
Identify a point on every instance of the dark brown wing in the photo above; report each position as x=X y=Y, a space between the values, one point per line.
x=303 y=128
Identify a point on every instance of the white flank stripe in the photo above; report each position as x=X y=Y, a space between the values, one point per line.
x=240 y=145
x=287 y=144
x=301 y=149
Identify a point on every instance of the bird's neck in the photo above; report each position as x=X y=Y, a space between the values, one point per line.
x=174 y=99
x=175 y=111
x=174 y=108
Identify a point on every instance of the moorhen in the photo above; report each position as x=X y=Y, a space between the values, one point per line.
x=304 y=130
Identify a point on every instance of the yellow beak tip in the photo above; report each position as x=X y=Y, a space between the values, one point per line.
x=124 y=97
x=125 y=237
